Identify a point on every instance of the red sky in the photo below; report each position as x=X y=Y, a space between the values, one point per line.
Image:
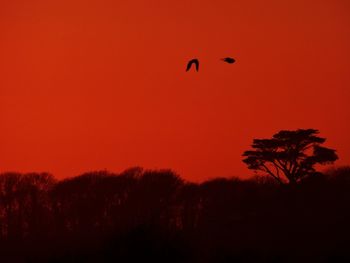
x=101 y=84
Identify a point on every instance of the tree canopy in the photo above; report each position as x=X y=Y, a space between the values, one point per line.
x=289 y=156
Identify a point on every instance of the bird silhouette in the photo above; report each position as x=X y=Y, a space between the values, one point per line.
x=192 y=61
x=228 y=60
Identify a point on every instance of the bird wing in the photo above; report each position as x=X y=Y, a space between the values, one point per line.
x=189 y=64
x=197 y=64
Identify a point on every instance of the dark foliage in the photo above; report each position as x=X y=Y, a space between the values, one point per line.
x=154 y=216
x=289 y=155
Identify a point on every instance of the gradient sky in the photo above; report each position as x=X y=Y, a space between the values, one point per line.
x=101 y=84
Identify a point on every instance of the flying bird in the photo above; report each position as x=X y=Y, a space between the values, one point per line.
x=229 y=60
x=192 y=61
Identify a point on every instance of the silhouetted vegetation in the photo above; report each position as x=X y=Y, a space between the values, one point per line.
x=289 y=155
x=155 y=216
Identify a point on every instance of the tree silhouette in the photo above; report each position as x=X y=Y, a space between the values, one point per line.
x=154 y=215
x=289 y=156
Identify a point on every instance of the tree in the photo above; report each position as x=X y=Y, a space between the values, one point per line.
x=290 y=155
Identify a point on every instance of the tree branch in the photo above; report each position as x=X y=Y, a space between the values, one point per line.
x=277 y=170
x=271 y=173
x=284 y=169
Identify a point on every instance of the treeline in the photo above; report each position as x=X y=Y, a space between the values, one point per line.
x=155 y=216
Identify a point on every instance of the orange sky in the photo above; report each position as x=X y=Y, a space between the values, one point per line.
x=101 y=84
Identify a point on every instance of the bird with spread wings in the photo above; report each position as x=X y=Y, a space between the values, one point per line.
x=191 y=62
